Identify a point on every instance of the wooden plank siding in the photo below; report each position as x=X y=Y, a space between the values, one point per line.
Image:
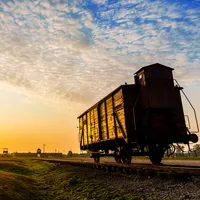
x=110 y=121
x=81 y=131
x=85 y=135
x=119 y=111
x=104 y=121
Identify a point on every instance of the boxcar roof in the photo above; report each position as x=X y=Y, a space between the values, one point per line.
x=155 y=64
x=102 y=100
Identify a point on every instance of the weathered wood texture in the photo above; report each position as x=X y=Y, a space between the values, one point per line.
x=107 y=119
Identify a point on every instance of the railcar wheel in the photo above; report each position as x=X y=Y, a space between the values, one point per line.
x=156 y=153
x=126 y=159
x=156 y=160
x=96 y=159
x=117 y=156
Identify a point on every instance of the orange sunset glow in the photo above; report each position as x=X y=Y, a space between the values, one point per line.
x=59 y=58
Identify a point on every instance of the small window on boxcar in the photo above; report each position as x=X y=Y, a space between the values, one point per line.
x=158 y=74
x=140 y=76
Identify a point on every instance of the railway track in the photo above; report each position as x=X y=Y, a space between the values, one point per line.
x=149 y=170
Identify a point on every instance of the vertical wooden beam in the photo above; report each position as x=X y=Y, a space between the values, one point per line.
x=99 y=122
x=115 y=127
x=82 y=135
x=80 y=132
x=106 y=116
x=87 y=128
x=91 y=135
x=94 y=128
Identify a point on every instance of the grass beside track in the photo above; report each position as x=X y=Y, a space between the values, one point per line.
x=22 y=179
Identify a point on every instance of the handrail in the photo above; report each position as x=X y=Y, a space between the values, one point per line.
x=188 y=119
x=195 y=115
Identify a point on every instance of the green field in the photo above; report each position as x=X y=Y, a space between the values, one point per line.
x=25 y=179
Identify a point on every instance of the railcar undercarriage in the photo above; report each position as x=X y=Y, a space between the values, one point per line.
x=123 y=154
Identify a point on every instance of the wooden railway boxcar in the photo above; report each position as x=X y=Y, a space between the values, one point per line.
x=109 y=119
x=144 y=118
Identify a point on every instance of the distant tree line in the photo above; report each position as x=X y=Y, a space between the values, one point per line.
x=196 y=148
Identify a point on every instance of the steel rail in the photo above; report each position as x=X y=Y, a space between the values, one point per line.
x=165 y=170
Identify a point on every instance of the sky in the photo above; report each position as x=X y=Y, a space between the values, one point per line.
x=58 y=57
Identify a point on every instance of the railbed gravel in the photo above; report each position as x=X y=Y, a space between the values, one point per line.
x=149 y=188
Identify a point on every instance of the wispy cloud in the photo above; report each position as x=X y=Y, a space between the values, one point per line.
x=80 y=50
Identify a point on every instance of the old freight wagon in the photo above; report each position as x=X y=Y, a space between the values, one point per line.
x=144 y=118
